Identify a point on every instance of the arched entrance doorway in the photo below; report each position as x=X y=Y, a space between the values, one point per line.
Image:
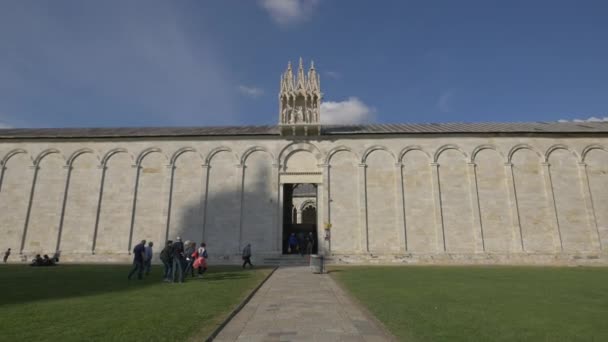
x=300 y=218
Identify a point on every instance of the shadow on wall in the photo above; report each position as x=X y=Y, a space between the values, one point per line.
x=231 y=207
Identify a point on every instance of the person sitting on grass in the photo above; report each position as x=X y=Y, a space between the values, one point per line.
x=37 y=261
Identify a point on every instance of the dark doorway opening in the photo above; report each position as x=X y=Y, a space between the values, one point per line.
x=300 y=218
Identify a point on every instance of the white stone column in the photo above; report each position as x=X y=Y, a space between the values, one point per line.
x=277 y=221
x=240 y=182
x=169 y=202
x=364 y=243
x=439 y=230
x=66 y=191
x=134 y=206
x=557 y=243
x=281 y=218
x=400 y=203
x=35 y=169
x=324 y=205
x=204 y=197
x=591 y=218
x=517 y=236
x=102 y=168
x=480 y=245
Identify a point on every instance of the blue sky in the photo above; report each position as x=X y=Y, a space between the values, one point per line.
x=196 y=63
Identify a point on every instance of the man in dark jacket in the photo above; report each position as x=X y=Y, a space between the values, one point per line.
x=178 y=260
x=247 y=255
x=166 y=256
x=138 y=259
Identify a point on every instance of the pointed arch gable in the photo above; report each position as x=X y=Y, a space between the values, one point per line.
x=250 y=150
x=110 y=153
x=590 y=148
x=299 y=146
x=376 y=148
x=147 y=151
x=46 y=153
x=523 y=146
x=337 y=149
x=412 y=148
x=181 y=151
x=10 y=154
x=77 y=153
x=217 y=150
x=449 y=147
x=485 y=147
x=555 y=147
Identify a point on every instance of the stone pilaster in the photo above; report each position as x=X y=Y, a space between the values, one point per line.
x=35 y=169
x=400 y=203
x=480 y=245
x=64 y=201
x=134 y=206
x=277 y=221
x=439 y=229
x=517 y=242
x=364 y=243
x=102 y=169
x=169 y=202
x=324 y=205
x=552 y=206
x=204 y=197
x=240 y=181
x=591 y=219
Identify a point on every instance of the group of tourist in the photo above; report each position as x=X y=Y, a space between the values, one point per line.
x=45 y=260
x=303 y=244
x=179 y=258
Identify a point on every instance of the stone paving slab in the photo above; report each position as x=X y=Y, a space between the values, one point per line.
x=297 y=305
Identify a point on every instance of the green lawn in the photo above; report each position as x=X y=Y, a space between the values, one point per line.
x=484 y=303
x=98 y=303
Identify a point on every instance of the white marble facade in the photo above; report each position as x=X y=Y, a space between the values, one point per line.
x=402 y=198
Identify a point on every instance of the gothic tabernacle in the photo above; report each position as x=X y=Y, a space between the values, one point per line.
x=460 y=193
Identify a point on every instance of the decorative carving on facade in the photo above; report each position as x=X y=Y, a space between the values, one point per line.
x=300 y=100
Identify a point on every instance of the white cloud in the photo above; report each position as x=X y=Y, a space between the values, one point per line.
x=253 y=92
x=351 y=111
x=333 y=74
x=591 y=119
x=286 y=12
x=444 y=101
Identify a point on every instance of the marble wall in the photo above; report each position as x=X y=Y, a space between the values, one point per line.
x=409 y=198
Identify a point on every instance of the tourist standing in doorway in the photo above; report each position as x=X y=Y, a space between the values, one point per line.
x=292 y=242
x=149 y=254
x=178 y=260
x=247 y=255
x=7 y=254
x=166 y=256
x=139 y=253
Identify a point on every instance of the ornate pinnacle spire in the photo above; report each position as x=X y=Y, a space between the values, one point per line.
x=301 y=79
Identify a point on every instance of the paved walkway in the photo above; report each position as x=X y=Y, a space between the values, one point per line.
x=297 y=305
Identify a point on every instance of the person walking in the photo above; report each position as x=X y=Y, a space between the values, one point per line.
x=148 y=260
x=178 y=261
x=247 y=256
x=166 y=256
x=139 y=254
x=7 y=254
